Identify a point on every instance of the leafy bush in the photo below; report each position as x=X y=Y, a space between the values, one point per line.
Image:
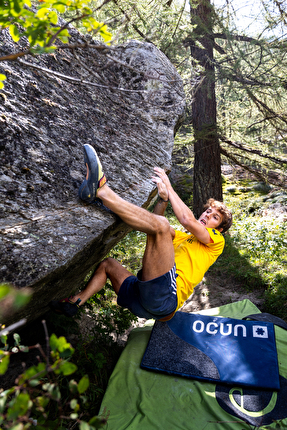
x=38 y=399
x=256 y=250
x=44 y=395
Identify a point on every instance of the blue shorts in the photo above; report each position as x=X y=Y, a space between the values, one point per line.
x=149 y=299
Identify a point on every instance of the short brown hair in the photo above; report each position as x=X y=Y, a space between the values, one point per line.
x=227 y=215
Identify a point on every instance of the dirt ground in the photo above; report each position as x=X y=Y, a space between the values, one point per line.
x=216 y=291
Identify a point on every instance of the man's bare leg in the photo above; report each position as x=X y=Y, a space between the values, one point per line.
x=159 y=254
x=107 y=269
x=136 y=217
x=158 y=257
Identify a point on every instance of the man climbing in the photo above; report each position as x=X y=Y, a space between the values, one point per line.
x=173 y=262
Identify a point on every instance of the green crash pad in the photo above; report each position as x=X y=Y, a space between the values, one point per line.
x=138 y=399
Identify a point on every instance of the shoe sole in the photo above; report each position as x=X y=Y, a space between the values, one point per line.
x=88 y=189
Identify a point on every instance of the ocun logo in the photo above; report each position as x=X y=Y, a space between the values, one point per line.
x=227 y=329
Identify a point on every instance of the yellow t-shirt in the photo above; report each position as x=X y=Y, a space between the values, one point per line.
x=193 y=258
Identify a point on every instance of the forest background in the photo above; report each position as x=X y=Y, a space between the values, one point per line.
x=235 y=82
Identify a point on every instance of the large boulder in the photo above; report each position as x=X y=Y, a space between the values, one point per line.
x=127 y=102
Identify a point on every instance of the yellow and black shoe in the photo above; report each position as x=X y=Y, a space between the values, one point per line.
x=65 y=307
x=95 y=178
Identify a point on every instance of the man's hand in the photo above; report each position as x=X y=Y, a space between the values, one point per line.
x=182 y=212
x=161 y=188
x=163 y=176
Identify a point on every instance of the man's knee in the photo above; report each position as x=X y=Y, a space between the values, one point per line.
x=107 y=263
x=112 y=267
x=163 y=226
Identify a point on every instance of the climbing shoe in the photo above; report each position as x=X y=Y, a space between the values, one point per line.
x=65 y=307
x=95 y=178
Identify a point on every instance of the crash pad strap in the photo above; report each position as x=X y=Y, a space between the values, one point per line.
x=264 y=316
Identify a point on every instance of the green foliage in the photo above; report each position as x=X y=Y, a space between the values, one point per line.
x=129 y=251
x=4 y=290
x=108 y=318
x=256 y=251
x=4 y=362
x=40 y=24
x=40 y=399
x=264 y=239
x=2 y=78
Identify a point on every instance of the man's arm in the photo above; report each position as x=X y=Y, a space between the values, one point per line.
x=162 y=203
x=181 y=211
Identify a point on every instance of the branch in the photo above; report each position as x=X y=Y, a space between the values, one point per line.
x=80 y=81
x=259 y=62
x=274 y=44
x=282 y=12
x=263 y=105
x=115 y=60
x=135 y=27
x=233 y=77
x=218 y=48
x=76 y=80
x=96 y=75
x=266 y=118
x=237 y=37
x=15 y=56
x=252 y=171
x=250 y=82
x=244 y=166
x=252 y=151
x=12 y=327
x=224 y=36
x=47 y=344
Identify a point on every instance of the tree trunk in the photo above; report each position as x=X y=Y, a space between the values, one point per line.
x=207 y=162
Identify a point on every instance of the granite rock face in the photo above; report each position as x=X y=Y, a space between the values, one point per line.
x=128 y=106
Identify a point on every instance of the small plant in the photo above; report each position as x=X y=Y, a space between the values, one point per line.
x=38 y=399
